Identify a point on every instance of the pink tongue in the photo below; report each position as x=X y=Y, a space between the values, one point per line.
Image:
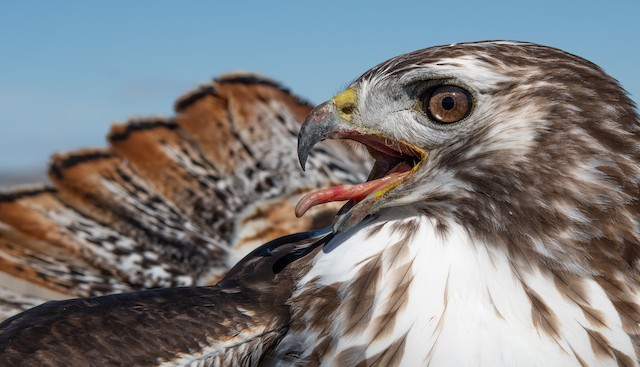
x=348 y=192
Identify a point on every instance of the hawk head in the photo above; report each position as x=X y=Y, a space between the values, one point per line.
x=527 y=146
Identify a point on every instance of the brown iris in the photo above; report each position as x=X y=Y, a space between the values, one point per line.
x=447 y=104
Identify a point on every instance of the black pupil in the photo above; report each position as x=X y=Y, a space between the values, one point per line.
x=448 y=103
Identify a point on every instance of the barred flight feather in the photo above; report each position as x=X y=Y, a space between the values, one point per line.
x=172 y=201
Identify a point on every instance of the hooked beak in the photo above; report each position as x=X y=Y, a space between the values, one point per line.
x=395 y=161
x=329 y=120
x=322 y=123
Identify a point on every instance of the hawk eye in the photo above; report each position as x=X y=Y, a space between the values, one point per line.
x=447 y=104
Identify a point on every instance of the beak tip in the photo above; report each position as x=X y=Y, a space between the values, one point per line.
x=318 y=126
x=303 y=151
x=303 y=162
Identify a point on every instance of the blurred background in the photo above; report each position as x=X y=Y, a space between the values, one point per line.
x=68 y=69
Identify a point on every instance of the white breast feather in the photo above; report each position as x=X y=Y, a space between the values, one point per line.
x=450 y=319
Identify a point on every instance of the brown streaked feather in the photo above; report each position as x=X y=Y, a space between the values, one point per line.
x=572 y=287
x=105 y=188
x=544 y=319
x=392 y=356
x=622 y=297
x=241 y=318
x=359 y=295
x=396 y=259
x=177 y=171
x=394 y=304
x=353 y=356
x=600 y=345
x=371 y=232
x=580 y=360
x=320 y=305
x=622 y=359
x=172 y=201
x=42 y=234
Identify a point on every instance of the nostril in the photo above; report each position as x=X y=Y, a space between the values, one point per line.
x=347 y=108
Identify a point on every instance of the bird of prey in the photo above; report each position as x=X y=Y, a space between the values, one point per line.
x=497 y=227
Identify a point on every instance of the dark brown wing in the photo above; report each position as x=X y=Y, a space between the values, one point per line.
x=233 y=323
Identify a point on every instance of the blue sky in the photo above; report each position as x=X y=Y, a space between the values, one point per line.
x=68 y=69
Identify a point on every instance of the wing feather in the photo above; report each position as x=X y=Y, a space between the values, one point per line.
x=238 y=320
x=171 y=201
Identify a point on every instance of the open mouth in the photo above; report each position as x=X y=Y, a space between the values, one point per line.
x=395 y=161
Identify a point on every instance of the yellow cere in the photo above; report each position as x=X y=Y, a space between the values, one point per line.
x=345 y=103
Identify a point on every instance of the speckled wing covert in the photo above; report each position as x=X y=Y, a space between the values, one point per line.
x=171 y=202
x=245 y=315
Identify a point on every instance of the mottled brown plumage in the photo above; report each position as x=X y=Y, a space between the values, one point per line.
x=171 y=201
x=498 y=227
x=232 y=323
x=542 y=176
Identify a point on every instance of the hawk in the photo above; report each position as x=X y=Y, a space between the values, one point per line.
x=497 y=227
